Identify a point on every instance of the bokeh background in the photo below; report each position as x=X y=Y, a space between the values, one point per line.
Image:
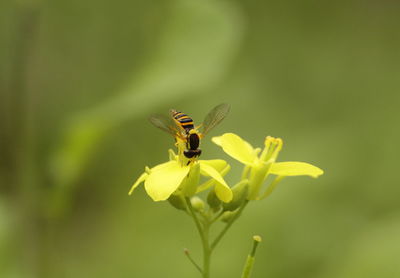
x=78 y=80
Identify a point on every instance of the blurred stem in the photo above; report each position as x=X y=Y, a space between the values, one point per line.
x=33 y=226
x=229 y=224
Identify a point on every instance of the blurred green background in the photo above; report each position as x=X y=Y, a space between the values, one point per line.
x=78 y=80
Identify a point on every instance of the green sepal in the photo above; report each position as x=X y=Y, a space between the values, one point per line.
x=240 y=192
x=190 y=183
x=197 y=203
x=177 y=201
x=213 y=201
x=258 y=174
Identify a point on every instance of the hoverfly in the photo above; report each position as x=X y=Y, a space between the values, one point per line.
x=181 y=126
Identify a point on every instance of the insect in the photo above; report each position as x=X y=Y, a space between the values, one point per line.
x=182 y=127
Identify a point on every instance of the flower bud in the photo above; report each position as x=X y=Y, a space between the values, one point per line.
x=177 y=201
x=240 y=192
x=228 y=215
x=213 y=201
x=197 y=203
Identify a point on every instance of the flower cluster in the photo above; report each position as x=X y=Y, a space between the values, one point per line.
x=181 y=177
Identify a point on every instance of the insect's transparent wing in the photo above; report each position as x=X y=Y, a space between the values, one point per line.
x=215 y=116
x=163 y=122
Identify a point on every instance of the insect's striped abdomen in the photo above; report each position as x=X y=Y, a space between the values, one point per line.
x=184 y=120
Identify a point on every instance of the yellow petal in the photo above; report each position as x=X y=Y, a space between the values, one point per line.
x=217 y=140
x=162 y=165
x=217 y=164
x=164 y=179
x=211 y=182
x=291 y=168
x=205 y=185
x=141 y=179
x=222 y=190
x=236 y=147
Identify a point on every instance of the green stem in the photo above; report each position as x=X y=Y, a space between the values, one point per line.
x=204 y=232
x=228 y=225
x=204 y=235
x=217 y=217
x=196 y=220
x=206 y=252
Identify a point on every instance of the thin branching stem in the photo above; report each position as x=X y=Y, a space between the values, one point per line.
x=187 y=253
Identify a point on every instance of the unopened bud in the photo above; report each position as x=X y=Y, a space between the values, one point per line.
x=177 y=201
x=213 y=201
x=228 y=215
x=197 y=203
x=240 y=192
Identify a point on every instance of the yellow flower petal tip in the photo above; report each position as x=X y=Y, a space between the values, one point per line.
x=295 y=169
x=257 y=238
x=141 y=179
x=222 y=190
x=217 y=140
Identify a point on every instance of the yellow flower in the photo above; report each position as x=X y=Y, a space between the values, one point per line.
x=259 y=166
x=179 y=177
